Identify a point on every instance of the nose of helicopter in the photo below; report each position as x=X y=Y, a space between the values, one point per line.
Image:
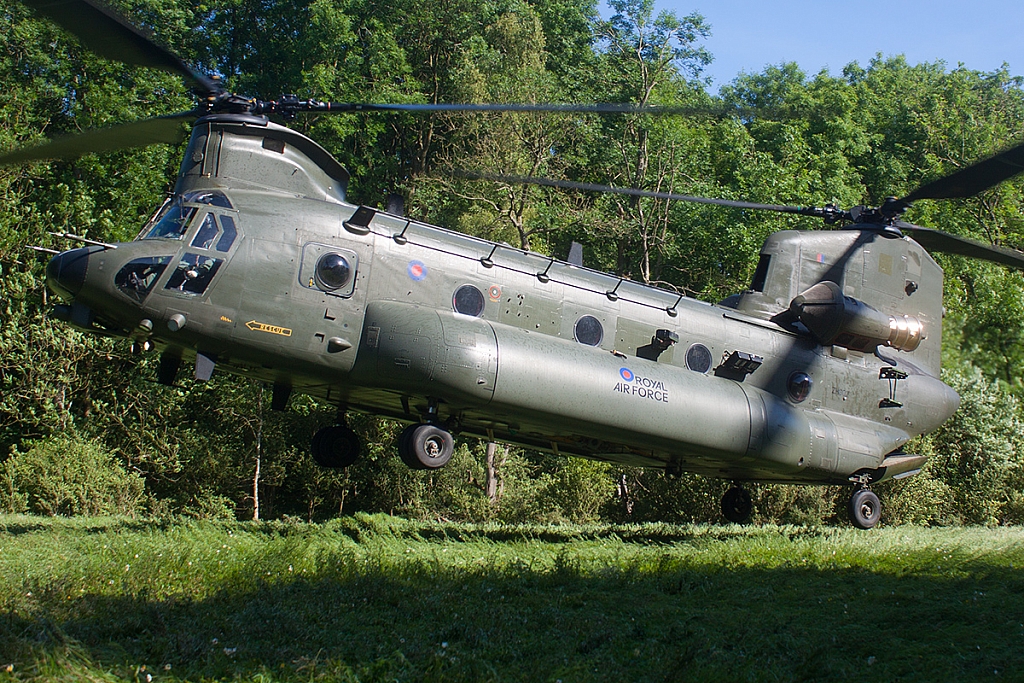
x=65 y=273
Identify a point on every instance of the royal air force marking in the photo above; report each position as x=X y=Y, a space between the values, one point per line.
x=643 y=387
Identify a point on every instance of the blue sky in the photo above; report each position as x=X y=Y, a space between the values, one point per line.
x=747 y=35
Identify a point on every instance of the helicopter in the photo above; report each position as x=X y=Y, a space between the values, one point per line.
x=820 y=372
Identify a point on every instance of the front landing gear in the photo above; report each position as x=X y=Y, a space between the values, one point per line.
x=335 y=447
x=865 y=508
x=425 y=446
x=737 y=505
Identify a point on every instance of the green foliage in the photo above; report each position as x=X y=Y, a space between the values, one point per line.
x=66 y=475
x=980 y=450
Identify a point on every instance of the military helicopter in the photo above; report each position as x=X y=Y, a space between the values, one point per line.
x=819 y=373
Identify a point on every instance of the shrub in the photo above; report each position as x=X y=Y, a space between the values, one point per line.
x=69 y=476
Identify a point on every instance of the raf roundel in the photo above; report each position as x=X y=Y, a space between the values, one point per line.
x=626 y=374
x=417 y=270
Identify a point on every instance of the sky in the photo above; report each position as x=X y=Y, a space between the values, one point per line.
x=748 y=35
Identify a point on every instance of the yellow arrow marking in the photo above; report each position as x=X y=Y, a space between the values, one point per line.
x=272 y=329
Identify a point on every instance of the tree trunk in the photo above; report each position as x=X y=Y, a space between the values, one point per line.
x=259 y=462
x=491 y=485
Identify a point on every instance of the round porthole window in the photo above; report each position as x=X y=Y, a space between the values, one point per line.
x=698 y=358
x=468 y=300
x=799 y=386
x=588 y=331
x=332 y=271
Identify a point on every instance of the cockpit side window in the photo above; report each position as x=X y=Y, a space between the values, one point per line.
x=206 y=234
x=227 y=223
x=137 y=277
x=193 y=274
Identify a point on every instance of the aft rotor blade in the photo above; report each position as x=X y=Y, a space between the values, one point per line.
x=937 y=240
x=110 y=35
x=826 y=212
x=165 y=129
x=969 y=181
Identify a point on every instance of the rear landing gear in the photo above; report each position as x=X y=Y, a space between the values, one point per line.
x=737 y=505
x=335 y=447
x=865 y=508
x=425 y=446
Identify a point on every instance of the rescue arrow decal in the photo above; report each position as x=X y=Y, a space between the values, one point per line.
x=272 y=329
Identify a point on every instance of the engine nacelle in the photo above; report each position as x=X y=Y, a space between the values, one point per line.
x=834 y=318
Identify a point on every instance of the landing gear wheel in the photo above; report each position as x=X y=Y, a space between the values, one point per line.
x=425 y=447
x=865 y=508
x=736 y=505
x=335 y=447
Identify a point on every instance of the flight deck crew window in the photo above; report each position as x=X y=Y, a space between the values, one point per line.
x=468 y=300
x=207 y=233
x=193 y=274
x=137 y=277
x=588 y=330
x=227 y=224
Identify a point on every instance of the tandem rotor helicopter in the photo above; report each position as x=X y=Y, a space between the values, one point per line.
x=819 y=373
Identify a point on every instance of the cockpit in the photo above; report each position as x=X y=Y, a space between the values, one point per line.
x=207 y=216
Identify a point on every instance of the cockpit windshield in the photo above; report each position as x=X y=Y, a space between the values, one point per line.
x=172 y=219
x=170 y=222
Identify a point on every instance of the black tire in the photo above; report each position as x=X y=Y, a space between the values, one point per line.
x=336 y=447
x=425 y=447
x=865 y=509
x=403 y=448
x=737 y=505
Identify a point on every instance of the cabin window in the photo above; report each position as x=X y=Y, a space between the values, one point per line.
x=761 y=273
x=799 y=386
x=588 y=330
x=193 y=274
x=468 y=300
x=324 y=267
x=698 y=358
x=137 y=277
x=332 y=271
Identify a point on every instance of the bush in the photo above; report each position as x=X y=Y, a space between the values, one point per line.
x=978 y=452
x=69 y=476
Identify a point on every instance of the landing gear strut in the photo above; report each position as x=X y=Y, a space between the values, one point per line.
x=865 y=508
x=736 y=504
x=335 y=447
x=425 y=446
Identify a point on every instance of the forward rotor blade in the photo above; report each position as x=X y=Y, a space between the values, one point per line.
x=969 y=181
x=164 y=129
x=110 y=35
x=592 y=187
x=937 y=240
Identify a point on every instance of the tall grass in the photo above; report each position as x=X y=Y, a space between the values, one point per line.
x=376 y=598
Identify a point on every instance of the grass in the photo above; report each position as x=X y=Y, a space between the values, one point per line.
x=376 y=598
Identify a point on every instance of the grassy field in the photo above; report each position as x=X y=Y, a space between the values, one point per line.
x=375 y=598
